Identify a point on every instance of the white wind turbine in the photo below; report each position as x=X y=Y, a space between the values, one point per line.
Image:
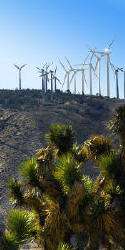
x=82 y=70
x=55 y=78
x=74 y=75
x=106 y=53
x=97 y=67
x=116 y=70
x=42 y=72
x=19 y=68
x=91 y=68
x=66 y=75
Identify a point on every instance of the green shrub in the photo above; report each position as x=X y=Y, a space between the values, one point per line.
x=60 y=136
x=21 y=225
x=29 y=171
x=68 y=171
x=16 y=192
x=110 y=166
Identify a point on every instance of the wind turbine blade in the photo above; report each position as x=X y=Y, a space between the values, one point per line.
x=42 y=75
x=100 y=52
x=16 y=66
x=72 y=77
x=59 y=81
x=47 y=66
x=62 y=65
x=85 y=80
x=92 y=56
x=111 y=43
x=44 y=65
x=120 y=69
x=55 y=69
x=79 y=64
x=86 y=58
x=94 y=70
x=38 y=68
x=66 y=75
x=96 y=65
x=68 y=62
x=112 y=66
x=23 y=66
x=113 y=69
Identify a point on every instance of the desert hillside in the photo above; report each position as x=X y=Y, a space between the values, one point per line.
x=26 y=116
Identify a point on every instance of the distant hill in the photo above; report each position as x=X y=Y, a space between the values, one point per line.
x=25 y=117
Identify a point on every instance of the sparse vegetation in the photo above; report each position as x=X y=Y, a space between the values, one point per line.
x=55 y=200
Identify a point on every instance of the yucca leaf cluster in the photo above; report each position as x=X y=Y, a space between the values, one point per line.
x=61 y=136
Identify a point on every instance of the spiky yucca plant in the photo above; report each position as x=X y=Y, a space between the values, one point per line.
x=96 y=146
x=64 y=247
x=61 y=201
x=22 y=225
x=60 y=136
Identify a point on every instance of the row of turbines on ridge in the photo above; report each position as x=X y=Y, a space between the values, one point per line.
x=48 y=75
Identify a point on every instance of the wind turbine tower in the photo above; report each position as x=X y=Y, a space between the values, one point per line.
x=83 y=79
x=20 y=69
x=107 y=69
x=99 y=83
x=106 y=53
x=42 y=72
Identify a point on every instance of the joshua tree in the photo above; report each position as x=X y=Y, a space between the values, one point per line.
x=55 y=200
x=117 y=125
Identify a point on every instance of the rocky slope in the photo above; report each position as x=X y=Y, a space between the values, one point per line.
x=25 y=118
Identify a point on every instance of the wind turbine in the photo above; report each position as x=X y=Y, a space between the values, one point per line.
x=116 y=70
x=106 y=53
x=19 y=68
x=74 y=75
x=97 y=67
x=91 y=68
x=66 y=75
x=44 y=75
x=53 y=77
x=82 y=70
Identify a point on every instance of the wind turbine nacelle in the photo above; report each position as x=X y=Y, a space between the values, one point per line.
x=106 y=51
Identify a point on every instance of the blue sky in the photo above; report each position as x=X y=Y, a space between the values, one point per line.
x=38 y=31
